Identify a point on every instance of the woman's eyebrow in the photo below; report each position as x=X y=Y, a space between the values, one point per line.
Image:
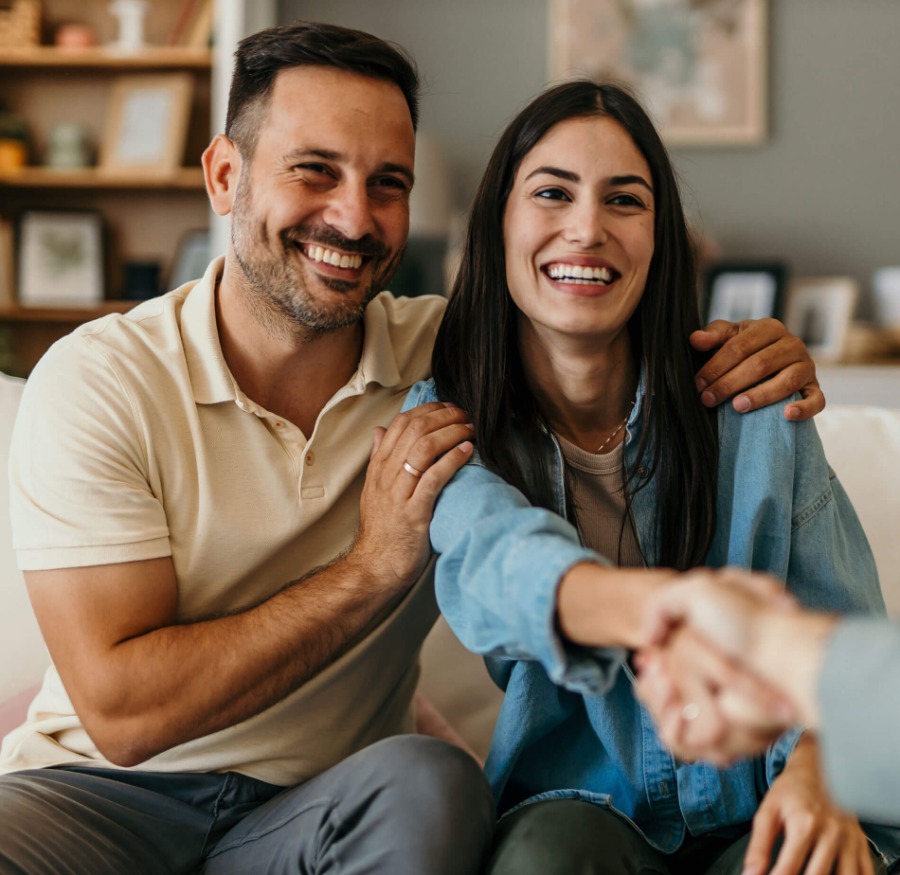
x=555 y=171
x=631 y=179
x=569 y=176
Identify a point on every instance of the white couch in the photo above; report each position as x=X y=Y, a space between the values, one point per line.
x=862 y=444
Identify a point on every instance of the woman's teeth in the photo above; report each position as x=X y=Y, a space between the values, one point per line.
x=575 y=273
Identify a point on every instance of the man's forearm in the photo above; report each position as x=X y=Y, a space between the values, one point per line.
x=606 y=607
x=167 y=686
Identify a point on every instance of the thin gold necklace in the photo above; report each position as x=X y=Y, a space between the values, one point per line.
x=619 y=427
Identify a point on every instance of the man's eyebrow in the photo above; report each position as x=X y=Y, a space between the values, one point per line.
x=401 y=169
x=559 y=173
x=325 y=154
x=331 y=155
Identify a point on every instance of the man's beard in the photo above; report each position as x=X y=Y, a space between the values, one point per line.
x=279 y=295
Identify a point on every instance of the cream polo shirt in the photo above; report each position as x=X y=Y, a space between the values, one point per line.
x=134 y=442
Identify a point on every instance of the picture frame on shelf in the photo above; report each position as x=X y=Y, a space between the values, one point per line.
x=700 y=68
x=819 y=311
x=191 y=258
x=61 y=258
x=743 y=290
x=146 y=125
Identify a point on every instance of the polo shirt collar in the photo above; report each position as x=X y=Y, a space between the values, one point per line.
x=213 y=382
x=378 y=363
x=210 y=377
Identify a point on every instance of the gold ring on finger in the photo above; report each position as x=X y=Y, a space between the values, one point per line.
x=411 y=469
x=691 y=711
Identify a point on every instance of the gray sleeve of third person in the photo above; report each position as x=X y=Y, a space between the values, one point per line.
x=859 y=695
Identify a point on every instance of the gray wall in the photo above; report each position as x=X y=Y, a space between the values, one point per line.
x=823 y=192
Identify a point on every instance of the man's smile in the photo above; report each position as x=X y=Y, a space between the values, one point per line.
x=332 y=257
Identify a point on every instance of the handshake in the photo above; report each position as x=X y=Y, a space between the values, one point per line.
x=730 y=662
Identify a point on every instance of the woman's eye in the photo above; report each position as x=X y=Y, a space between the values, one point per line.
x=626 y=200
x=551 y=194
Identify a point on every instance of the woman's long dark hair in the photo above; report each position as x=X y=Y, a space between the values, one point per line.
x=477 y=362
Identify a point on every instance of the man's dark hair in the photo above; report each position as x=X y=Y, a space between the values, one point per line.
x=477 y=363
x=260 y=57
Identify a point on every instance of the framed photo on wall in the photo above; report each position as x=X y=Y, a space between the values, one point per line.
x=147 y=123
x=61 y=258
x=819 y=310
x=743 y=290
x=698 y=67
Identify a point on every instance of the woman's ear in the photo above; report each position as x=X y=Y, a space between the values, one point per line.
x=221 y=168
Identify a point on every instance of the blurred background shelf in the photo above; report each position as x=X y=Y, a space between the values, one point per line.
x=187 y=178
x=146 y=215
x=107 y=59
x=27 y=332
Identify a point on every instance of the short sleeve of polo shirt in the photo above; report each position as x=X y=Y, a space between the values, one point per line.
x=79 y=487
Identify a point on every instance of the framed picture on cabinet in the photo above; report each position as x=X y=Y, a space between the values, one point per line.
x=819 y=310
x=60 y=257
x=147 y=123
x=191 y=259
x=699 y=68
x=743 y=290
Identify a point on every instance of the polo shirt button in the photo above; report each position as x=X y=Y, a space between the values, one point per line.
x=643 y=471
x=310 y=458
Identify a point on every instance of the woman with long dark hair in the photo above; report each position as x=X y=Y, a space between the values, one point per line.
x=565 y=340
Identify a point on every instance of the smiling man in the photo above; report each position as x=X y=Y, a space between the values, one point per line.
x=234 y=619
x=223 y=522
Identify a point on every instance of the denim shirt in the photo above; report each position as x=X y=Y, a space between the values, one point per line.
x=570 y=725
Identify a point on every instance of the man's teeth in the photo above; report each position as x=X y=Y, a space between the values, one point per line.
x=336 y=259
x=575 y=273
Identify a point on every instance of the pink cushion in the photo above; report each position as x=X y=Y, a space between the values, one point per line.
x=14 y=709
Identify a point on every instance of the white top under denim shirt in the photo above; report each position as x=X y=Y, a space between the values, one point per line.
x=570 y=725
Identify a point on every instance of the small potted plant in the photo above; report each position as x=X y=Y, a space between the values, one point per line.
x=13 y=141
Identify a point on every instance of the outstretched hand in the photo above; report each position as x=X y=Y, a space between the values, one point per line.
x=705 y=705
x=697 y=674
x=759 y=362
x=411 y=462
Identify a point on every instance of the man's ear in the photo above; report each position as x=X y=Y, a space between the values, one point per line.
x=221 y=169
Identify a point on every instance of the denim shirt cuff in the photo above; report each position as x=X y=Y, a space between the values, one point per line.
x=780 y=751
x=586 y=670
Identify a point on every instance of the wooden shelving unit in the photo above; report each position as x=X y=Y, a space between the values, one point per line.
x=148 y=58
x=63 y=315
x=146 y=215
x=185 y=178
x=27 y=332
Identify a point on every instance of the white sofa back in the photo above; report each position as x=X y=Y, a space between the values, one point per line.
x=22 y=652
x=862 y=444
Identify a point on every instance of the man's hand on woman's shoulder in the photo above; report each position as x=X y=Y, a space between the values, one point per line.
x=757 y=362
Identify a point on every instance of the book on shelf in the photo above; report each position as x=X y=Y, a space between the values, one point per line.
x=176 y=35
x=194 y=24
x=7 y=264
